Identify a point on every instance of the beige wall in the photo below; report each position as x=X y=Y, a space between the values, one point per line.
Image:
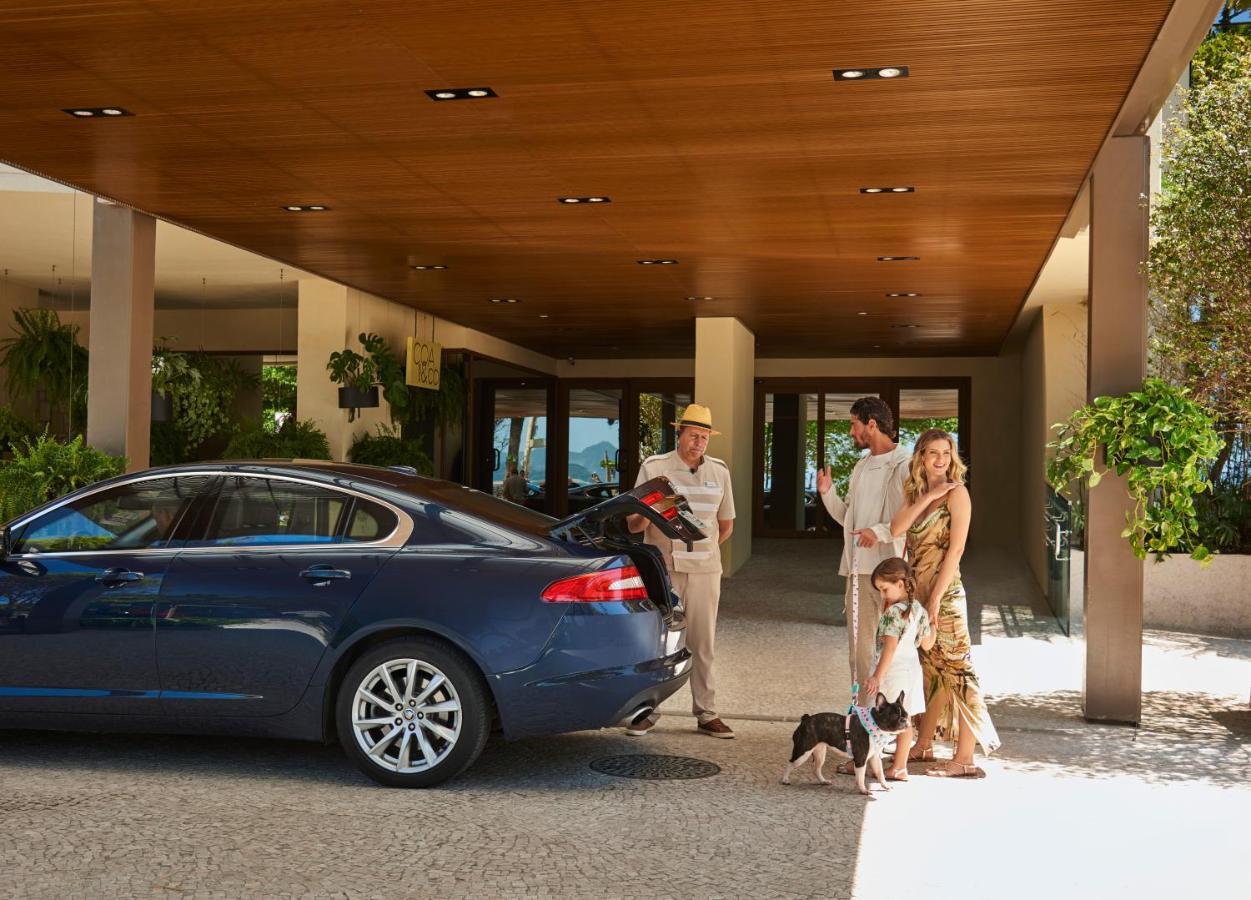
x=215 y=330
x=1053 y=385
x=996 y=403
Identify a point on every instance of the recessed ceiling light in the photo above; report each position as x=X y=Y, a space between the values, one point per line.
x=91 y=112
x=871 y=190
x=428 y=268
x=887 y=190
x=902 y=190
x=504 y=300
x=315 y=208
x=861 y=74
x=896 y=258
x=461 y=93
x=904 y=325
x=657 y=262
x=862 y=313
x=584 y=200
x=903 y=294
x=542 y=315
x=699 y=298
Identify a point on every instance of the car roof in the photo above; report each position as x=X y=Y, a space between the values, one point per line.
x=399 y=478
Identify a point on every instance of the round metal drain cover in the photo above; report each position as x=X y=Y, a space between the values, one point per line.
x=655 y=767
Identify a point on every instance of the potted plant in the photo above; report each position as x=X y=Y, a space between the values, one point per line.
x=171 y=371
x=44 y=357
x=357 y=377
x=1163 y=443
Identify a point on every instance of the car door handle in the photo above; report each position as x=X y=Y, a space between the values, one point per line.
x=114 y=577
x=321 y=576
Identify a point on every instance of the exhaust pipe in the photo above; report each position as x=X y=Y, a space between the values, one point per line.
x=643 y=710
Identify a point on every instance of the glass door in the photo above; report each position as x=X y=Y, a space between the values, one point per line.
x=593 y=446
x=792 y=431
x=514 y=437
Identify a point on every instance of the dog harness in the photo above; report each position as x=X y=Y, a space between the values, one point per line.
x=877 y=737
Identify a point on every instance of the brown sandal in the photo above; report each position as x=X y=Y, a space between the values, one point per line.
x=962 y=771
x=926 y=755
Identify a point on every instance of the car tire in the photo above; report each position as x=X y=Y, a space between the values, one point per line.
x=412 y=712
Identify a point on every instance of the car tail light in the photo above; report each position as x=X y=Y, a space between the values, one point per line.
x=670 y=512
x=621 y=583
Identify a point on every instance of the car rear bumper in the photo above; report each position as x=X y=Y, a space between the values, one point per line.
x=558 y=694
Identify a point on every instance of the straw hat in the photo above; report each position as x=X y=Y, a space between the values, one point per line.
x=697 y=416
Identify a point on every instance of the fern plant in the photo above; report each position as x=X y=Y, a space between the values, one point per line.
x=293 y=440
x=389 y=448
x=46 y=468
x=14 y=429
x=45 y=353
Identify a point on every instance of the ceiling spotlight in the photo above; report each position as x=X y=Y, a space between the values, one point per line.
x=315 y=208
x=460 y=93
x=503 y=299
x=427 y=268
x=887 y=190
x=862 y=313
x=583 y=200
x=870 y=190
x=903 y=294
x=896 y=258
x=902 y=190
x=542 y=315
x=904 y=325
x=699 y=298
x=91 y=112
x=657 y=262
x=859 y=74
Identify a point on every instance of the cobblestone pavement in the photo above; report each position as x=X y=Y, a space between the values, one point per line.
x=1069 y=809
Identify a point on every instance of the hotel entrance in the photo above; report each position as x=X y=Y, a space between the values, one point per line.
x=802 y=426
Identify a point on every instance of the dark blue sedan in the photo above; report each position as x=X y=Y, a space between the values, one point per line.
x=405 y=615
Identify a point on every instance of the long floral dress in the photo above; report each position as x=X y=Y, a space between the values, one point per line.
x=948 y=665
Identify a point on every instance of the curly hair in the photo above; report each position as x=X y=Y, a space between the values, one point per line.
x=896 y=569
x=875 y=409
x=917 y=483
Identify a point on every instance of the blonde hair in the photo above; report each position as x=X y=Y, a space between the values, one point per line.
x=917 y=483
x=896 y=569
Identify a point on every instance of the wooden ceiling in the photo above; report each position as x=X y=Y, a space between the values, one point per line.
x=716 y=129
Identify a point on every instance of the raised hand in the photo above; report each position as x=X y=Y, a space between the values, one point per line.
x=825 y=482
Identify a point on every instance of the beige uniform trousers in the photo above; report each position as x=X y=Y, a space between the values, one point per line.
x=701 y=595
x=860 y=654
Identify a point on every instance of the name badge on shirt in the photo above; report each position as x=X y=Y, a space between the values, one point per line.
x=711 y=484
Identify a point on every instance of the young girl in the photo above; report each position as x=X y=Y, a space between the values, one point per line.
x=905 y=626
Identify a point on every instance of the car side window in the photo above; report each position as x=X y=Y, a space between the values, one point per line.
x=259 y=511
x=369 y=522
x=140 y=515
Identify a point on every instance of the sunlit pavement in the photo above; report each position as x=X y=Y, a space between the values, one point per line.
x=1069 y=809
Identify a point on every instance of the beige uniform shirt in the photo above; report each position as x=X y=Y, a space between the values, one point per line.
x=708 y=491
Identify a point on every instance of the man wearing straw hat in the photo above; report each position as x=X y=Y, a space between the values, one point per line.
x=696 y=574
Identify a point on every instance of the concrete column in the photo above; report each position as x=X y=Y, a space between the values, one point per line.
x=1117 y=363
x=119 y=376
x=725 y=366
x=330 y=317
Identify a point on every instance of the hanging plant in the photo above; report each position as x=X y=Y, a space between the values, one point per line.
x=201 y=390
x=45 y=353
x=357 y=376
x=1162 y=443
x=445 y=406
x=390 y=374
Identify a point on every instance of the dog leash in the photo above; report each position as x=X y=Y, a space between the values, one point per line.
x=855 y=630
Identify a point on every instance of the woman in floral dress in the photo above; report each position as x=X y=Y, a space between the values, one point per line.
x=935 y=518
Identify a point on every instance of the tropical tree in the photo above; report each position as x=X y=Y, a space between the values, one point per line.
x=1200 y=258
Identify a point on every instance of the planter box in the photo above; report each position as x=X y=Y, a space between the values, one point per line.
x=162 y=407
x=351 y=398
x=1180 y=596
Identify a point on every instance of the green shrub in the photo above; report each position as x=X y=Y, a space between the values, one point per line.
x=277 y=393
x=47 y=468
x=294 y=440
x=388 y=448
x=14 y=429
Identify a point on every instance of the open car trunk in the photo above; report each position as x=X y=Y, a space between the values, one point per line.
x=605 y=525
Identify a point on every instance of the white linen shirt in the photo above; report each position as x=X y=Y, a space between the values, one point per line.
x=874 y=494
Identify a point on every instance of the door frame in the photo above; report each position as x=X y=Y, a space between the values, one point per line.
x=888 y=388
x=484 y=422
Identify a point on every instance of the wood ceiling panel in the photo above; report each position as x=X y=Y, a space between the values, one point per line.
x=716 y=129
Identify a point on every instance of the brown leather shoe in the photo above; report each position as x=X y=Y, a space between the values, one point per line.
x=716 y=728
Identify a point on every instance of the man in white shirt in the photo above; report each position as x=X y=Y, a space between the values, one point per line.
x=874 y=494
